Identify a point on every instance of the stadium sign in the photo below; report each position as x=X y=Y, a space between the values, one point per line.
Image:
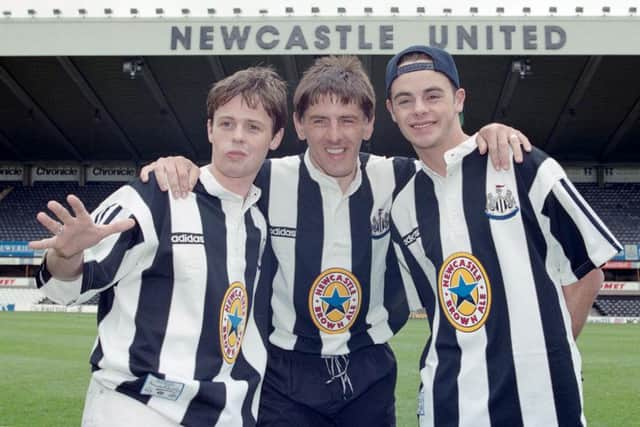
x=98 y=173
x=11 y=248
x=11 y=172
x=18 y=282
x=55 y=173
x=620 y=287
x=364 y=38
x=528 y=35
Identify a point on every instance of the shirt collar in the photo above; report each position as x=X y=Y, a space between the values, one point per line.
x=328 y=181
x=213 y=187
x=455 y=155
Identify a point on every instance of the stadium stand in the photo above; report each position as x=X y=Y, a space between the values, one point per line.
x=618 y=204
x=618 y=305
x=92 y=301
x=20 y=205
x=21 y=296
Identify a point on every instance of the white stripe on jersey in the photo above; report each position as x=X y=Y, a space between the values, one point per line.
x=336 y=245
x=473 y=384
x=534 y=384
x=383 y=186
x=236 y=389
x=284 y=213
x=405 y=199
x=190 y=270
x=127 y=294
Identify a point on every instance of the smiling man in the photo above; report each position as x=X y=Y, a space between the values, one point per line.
x=505 y=263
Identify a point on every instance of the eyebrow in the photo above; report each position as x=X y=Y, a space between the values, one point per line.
x=427 y=90
x=239 y=120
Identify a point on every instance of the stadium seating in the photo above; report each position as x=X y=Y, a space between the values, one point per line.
x=19 y=207
x=21 y=296
x=618 y=305
x=92 y=301
x=619 y=207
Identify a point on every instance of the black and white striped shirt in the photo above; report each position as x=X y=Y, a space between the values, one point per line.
x=489 y=252
x=337 y=285
x=177 y=297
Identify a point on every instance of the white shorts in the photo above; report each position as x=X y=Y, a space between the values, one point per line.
x=104 y=407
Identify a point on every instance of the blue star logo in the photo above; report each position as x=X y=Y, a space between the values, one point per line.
x=463 y=291
x=235 y=321
x=335 y=302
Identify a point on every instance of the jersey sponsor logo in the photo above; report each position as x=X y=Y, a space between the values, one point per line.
x=187 y=238
x=334 y=300
x=233 y=320
x=282 y=232
x=502 y=205
x=380 y=224
x=411 y=237
x=464 y=291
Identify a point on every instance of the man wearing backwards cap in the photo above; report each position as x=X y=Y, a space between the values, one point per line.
x=502 y=349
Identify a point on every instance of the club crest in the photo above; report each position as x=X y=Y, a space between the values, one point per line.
x=334 y=300
x=501 y=205
x=233 y=320
x=380 y=224
x=464 y=291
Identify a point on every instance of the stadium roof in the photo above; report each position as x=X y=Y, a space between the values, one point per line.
x=111 y=87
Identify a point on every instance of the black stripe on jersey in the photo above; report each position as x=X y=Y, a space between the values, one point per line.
x=96 y=274
x=201 y=410
x=208 y=360
x=154 y=301
x=100 y=215
x=105 y=303
x=403 y=169
x=262 y=310
x=309 y=241
x=504 y=404
x=269 y=262
x=445 y=399
x=567 y=234
x=360 y=207
x=572 y=193
x=112 y=215
x=395 y=298
x=43 y=275
x=421 y=282
x=262 y=181
x=242 y=370
x=563 y=381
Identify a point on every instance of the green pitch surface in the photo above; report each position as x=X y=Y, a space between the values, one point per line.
x=44 y=370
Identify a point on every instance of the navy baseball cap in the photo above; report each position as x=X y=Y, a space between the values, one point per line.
x=442 y=62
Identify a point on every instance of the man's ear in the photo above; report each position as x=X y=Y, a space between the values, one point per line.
x=210 y=130
x=368 y=131
x=277 y=139
x=390 y=110
x=459 y=97
x=297 y=122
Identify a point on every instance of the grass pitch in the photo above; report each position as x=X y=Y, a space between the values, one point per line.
x=44 y=370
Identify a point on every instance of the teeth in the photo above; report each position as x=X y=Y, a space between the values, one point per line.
x=421 y=126
x=335 y=150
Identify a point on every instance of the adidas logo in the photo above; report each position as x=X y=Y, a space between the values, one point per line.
x=187 y=238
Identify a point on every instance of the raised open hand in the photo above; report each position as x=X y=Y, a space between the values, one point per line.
x=72 y=234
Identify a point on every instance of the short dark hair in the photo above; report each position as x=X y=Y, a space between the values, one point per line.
x=257 y=85
x=339 y=76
